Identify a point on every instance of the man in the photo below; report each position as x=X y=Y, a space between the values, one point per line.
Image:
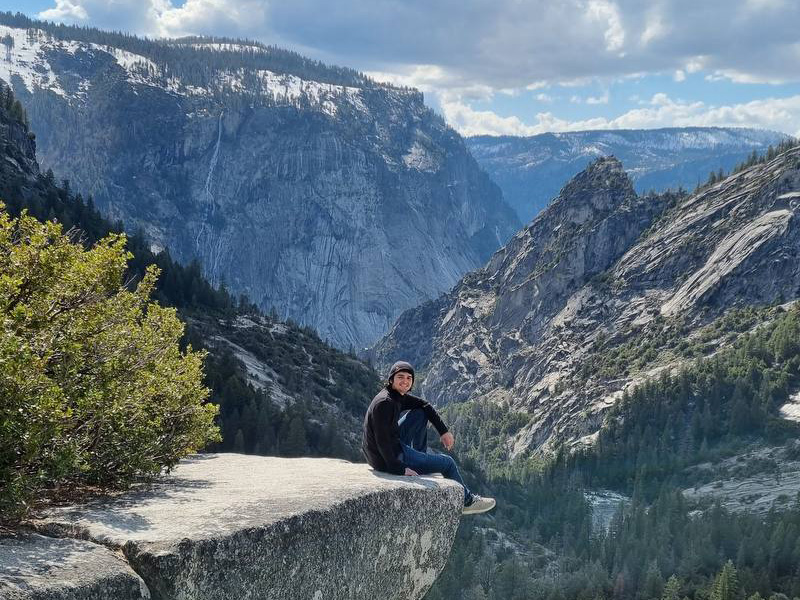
x=397 y=442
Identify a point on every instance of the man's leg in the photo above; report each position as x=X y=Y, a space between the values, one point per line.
x=413 y=425
x=424 y=464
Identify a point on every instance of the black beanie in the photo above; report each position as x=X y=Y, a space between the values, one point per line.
x=400 y=365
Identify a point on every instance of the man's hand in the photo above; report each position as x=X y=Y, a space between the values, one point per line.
x=447 y=440
x=411 y=472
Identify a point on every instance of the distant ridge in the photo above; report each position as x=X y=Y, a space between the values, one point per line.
x=531 y=170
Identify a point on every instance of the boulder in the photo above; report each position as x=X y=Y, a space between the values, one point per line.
x=233 y=526
x=35 y=567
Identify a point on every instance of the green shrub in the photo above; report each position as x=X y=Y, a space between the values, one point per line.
x=93 y=386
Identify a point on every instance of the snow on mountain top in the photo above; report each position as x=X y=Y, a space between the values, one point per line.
x=22 y=57
x=26 y=57
x=129 y=60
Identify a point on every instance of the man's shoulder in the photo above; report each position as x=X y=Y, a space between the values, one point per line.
x=380 y=397
x=384 y=393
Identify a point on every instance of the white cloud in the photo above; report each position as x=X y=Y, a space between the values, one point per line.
x=599 y=99
x=544 y=98
x=655 y=27
x=607 y=12
x=536 y=85
x=65 y=10
x=779 y=114
x=739 y=77
x=679 y=76
x=483 y=122
x=575 y=99
x=696 y=64
x=160 y=18
x=577 y=82
x=432 y=78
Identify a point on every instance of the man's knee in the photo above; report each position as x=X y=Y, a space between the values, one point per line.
x=448 y=464
x=416 y=415
x=414 y=420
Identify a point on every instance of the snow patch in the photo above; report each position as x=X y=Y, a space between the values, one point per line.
x=23 y=57
x=420 y=158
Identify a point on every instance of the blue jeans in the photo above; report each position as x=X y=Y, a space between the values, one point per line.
x=414 y=440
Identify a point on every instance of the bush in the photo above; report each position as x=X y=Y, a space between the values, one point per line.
x=93 y=386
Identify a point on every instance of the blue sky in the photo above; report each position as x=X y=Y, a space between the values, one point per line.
x=511 y=67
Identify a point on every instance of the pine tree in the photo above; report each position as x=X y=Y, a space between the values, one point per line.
x=726 y=585
x=295 y=443
x=672 y=589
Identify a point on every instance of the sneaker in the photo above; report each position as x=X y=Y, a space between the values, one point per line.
x=478 y=505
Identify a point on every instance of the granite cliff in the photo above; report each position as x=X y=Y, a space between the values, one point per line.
x=604 y=289
x=309 y=188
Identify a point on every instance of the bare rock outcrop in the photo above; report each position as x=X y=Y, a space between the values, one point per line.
x=40 y=567
x=234 y=526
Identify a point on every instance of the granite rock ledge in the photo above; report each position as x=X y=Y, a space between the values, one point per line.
x=232 y=526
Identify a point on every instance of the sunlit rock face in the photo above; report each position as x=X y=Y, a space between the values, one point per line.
x=234 y=526
x=599 y=268
x=337 y=200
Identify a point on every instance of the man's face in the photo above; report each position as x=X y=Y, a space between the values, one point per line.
x=402 y=381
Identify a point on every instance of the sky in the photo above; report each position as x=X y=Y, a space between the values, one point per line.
x=518 y=67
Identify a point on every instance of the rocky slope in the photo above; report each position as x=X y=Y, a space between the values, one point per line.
x=310 y=189
x=531 y=170
x=603 y=289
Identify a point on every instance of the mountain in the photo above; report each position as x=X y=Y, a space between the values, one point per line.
x=531 y=170
x=606 y=289
x=281 y=390
x=311 y=189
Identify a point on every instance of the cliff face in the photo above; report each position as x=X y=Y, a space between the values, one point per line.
x=234 y=526
x=539 y=327
x=531 y=170
x=315 y=197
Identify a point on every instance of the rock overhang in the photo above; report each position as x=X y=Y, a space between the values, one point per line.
x=227 y=525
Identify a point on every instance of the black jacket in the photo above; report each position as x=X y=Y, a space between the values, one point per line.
x=381 y=443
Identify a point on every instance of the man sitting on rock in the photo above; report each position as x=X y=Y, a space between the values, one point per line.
x=396 y=436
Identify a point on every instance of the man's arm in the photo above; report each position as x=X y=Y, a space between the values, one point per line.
x=385 y=437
